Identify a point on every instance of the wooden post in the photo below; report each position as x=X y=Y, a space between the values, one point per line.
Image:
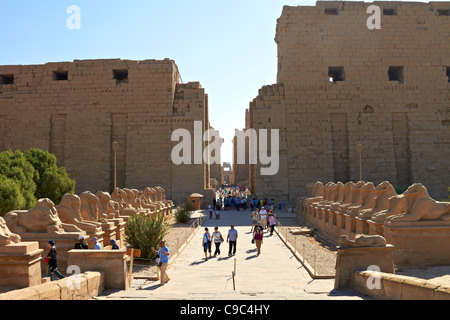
x=131 y=267
x=234 y=283
x=315 y=272
x=235 y=266
x=295 y=245
x=303 y=253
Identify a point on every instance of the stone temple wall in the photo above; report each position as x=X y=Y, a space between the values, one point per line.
x=344 y=84
x=76 y=110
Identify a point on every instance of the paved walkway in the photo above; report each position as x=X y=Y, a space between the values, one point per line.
x=274 y=275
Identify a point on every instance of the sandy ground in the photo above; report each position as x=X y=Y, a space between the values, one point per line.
x=310 y=246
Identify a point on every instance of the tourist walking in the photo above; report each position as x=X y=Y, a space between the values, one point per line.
x=163 y=262
x=232 y=240
x=52 y=258
x=272 y=222
x=218 y=239
x=206 y=243
x=218 y=212
x=255 y=218
x=210 y=209
x=258 y=235
x=263 y=216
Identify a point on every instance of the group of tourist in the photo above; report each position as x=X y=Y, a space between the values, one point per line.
x=235 y=198
x=52 y=256
x=217 y=238
x=265 y=217
x=231 y=198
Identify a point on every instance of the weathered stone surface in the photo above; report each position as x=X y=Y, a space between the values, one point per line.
x=140 y=114
x=321 y=122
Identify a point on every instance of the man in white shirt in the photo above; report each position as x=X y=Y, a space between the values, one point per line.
x=232 y=240
x=263 y=215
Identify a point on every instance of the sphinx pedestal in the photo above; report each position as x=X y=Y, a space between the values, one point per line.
x=63 y=243
x=420 y=242
x=20 y=265
x=350 y=259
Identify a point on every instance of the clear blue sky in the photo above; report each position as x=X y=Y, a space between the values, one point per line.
x=226 y=45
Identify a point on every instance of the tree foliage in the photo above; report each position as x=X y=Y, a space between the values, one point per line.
x=51 y=182
x=11 y=197
x=26 y=177
x=15 y=167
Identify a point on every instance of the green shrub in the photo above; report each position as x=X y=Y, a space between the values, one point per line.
x=51 y=182
x=144 y=231
x=184 y=212
x=16 y=167
x=11 y=197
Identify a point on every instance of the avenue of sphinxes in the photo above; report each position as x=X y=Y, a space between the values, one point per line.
x=414 y=223
x=86 y=215
x=363 y=120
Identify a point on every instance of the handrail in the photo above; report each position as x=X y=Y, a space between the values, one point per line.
x=313 y=272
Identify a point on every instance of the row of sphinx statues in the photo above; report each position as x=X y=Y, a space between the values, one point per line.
x=363 y=208
x=87 y=213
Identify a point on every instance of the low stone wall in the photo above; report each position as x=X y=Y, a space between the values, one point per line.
x=397 y=287
x=82 y=287
x=112 y=262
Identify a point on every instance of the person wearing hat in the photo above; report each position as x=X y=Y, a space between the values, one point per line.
x=81 y=244
x=114 y=245
x=52 y=258
x=97 y=246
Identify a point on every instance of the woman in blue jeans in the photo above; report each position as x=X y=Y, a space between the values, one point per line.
x=206 y=242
